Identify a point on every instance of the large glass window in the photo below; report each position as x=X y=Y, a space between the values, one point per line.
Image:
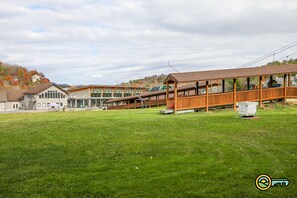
x=118 y=94
x=107 y=94
x=52 y=94
x=137 y=92
x=128 y=93
x=95 y=94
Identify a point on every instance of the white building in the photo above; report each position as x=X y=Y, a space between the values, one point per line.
x=97 y=95
x=35 y=78
x=44 y=97
x=10 y=99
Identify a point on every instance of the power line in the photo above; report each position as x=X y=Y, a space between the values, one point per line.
x=269 y=54
x=172 y=67
x=286 y=56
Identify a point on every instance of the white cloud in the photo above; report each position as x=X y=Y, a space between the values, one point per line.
x=101 y=42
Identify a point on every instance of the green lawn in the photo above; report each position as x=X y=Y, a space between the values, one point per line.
x=140 y=153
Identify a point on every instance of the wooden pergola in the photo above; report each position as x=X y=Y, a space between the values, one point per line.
x=224 y=98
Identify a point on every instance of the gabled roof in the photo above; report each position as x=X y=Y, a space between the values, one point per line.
x=41 y=87
x=10 y=95
x=14 y=94
x=230 y=73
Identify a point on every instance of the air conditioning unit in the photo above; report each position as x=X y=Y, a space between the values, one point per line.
x=247 y=109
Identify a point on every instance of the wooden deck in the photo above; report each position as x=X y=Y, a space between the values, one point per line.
x=219 y=99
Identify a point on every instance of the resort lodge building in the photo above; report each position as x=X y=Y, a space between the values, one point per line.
x=43 y=97
x=97 y=95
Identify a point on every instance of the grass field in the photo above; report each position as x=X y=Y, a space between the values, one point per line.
x=140 y=153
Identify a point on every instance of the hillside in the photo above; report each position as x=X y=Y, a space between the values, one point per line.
x=19 y=77
x=146 y=81
x=284 y=62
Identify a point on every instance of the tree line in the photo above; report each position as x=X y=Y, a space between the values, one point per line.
x=19 y=76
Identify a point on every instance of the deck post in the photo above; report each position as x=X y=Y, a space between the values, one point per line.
x=135 y=104
x=285 y=87
x=248 y=83
x=206 y=90
x=167 y=94
x=234 y=93
x=223 y=85
x=175 y=97
x=197 y=88
x=270 y=81
x=157 y=98
x=261 y=89
x=150 y=102
x=289 y=80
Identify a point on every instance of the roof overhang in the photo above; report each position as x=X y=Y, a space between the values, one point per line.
x=197 y=76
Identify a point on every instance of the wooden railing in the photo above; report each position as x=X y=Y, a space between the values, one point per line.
x=152 y=103
x=222 y=99
x=292 y=92
x=190 y=102
x=217 y=99
x=273 y=93
x=250 y=95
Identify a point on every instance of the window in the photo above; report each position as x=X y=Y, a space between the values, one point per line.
x=38 y=105
x=16 y=106
x=13 y=106
x=96 y=94
x=52 y=94
x=43 y=104
x=107 y=94
x=118 y=94
x=39 y=95
x=128 y=93
x=61 y=104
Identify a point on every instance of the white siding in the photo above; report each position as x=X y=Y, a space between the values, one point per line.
x=12 y=106
x=9 y=106
x=80 y=94
x=42 y=103
x=2 y=106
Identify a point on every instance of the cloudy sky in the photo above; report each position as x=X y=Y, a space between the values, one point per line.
x=109 y=41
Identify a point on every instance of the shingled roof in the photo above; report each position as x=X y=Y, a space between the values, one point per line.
x=230 y=73
x=10 y=95
x=41 y=87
